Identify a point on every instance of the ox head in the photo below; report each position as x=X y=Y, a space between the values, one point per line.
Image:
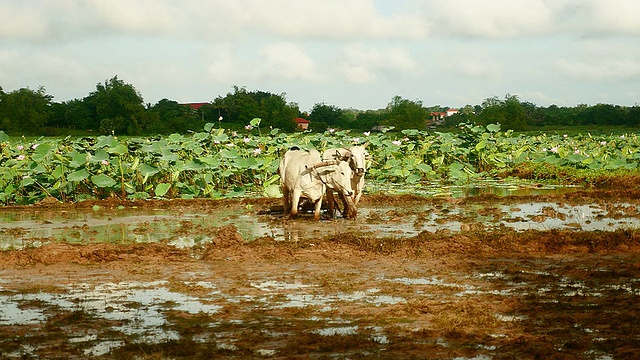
x=358 y=159
x=335 y=174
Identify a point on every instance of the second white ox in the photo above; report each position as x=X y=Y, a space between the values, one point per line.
x=357 y=157
x=304 y=174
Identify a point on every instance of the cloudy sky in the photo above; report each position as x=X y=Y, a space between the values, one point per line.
x=348 y=53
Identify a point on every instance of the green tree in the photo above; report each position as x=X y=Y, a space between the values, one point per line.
x=555 y=115
x=24 y=110
x=406 y=114
x=331 y=115
x=510 y=113
x=515 y=114
x=367 y=120
x=633 y=116
x=118 y=107
x=603 y=114
x=237 y=109
x=276 y=113
x=535 y=116
x=71 y=114
x=167 y=116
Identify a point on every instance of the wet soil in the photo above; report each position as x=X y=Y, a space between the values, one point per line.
x=473 y=293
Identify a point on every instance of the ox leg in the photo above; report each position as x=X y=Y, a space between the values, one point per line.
x=331 y=201
x=295 y=200
x=316 y=212
x=357 y=187
x=345 y=206
x=350 y=209
x=356 y=198
x=286 y=197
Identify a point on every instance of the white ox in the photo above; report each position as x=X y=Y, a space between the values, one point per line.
x=304 y=174
x=356 y=157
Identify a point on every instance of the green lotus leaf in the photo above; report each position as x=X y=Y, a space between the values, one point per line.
x=105 y=141
x=119 y=149
x=162 y=189
x=3 y=137
x=99 y=156
x=102 y=181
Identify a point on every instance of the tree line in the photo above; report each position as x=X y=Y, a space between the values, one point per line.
x=116 y=107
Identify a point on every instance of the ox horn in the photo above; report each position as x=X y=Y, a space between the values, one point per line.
x=342 y=156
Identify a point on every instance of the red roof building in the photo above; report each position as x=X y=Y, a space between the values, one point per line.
x=303 y=124
x=196 y=105
x=437 y=117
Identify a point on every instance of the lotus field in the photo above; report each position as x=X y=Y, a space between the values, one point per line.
x=218 y=163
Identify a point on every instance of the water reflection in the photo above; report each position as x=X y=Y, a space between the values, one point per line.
x=190 y=229
x=475 y=188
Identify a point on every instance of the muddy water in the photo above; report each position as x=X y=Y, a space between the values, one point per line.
x=320 y=299
x=19 y=229
x=475 y=188
x=503 y=301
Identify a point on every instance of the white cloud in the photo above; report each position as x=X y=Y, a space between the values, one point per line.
x=607 y=70
x=222 y=64
x=601 y=59
x=288 y=61
x=20 y=20
x=59 y=74
x=357 y=74
x=34 y=20
x=211 y=19
x=135 y=16
x=471 y=62
x=489 y=18
x=364 y=64
x=329 y=20
x=497 y=19
x=596 y=17
x=333 y=19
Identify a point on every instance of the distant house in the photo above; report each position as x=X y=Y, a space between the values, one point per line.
x=437 y=117
x=303 y=124
x=195 y=105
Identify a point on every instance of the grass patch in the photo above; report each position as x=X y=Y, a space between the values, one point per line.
x=566 y=175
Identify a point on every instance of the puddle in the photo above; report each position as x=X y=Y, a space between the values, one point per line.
x=151 y=312
x=21 y=229
x=475 y=188
x=347 y=330
x=324 y=302
x=139 y=307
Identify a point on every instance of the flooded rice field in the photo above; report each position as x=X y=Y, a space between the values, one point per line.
x=544 y=275
x=27 y=227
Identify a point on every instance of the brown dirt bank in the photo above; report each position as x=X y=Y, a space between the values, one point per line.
x=228 y=242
